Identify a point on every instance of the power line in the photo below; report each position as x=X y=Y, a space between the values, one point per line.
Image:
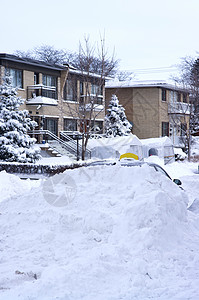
x=154 y=70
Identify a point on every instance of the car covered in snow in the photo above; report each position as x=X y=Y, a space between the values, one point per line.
x=135 y=163
x=157 y=168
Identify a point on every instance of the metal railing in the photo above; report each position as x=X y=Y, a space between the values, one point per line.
x=97 y=99
x=65 y=141
x=74 y=142
x=179 y=108
x=34 y=91
x=48 y=135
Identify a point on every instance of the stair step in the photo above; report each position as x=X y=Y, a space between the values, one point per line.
x=55 y=152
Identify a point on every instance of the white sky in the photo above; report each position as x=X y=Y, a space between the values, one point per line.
x=145 y=33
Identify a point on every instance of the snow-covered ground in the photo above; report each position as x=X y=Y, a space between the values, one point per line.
x=103 y=233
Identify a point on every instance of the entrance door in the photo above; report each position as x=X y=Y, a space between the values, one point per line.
x=51 y=124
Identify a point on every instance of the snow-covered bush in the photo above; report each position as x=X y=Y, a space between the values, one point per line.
x=116 y=122
x=15 y=143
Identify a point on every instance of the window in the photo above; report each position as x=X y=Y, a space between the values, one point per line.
x=96 y=89
x=97 y=126
x=36 y=78
x=81 y=87
x=165 y=128
x=16 y=77
x=70 y=125
x=179 y=97
x=164 y=95
x=184 y=98
x=51 y=125
x=49 y=80
x=70 y=90
x=159 y=169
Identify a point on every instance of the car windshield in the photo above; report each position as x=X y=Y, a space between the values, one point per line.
x=160 y=169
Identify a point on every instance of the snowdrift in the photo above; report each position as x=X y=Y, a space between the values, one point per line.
x=11 y=185
x=125 y=234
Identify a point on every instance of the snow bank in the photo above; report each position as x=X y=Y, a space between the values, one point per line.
x=11 y=185
x=126 y=234
x=52 y=161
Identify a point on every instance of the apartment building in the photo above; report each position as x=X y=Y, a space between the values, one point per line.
x=154 y=108
x=55 y=95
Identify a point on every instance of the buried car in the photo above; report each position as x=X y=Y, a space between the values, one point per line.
x=129 y=162
x=158 y=168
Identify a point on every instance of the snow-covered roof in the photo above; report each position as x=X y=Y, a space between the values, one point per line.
x=157 y=142
x=118 y=143
x=30 y=61
x=80 y=72
x=139 y=83
x=42 y=64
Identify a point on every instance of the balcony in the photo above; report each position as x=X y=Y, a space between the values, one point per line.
x=88 y=102
x=179 y=108
x=41 y=95
x=97 y=99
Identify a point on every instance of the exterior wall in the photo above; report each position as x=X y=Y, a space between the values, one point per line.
x=178 y=120
x=70 y=109
x=146 y=109
x=28 y=79
x=163 y=110
x=141 y=108
x=64 y=109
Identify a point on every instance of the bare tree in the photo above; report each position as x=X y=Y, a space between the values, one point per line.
x=91 y=103
x=24 y=54
x=46 y=53
x=93 y=65
x=79 y=60
x=179 y=119
x=50 y=55
x=125 y=75
x=189 y=80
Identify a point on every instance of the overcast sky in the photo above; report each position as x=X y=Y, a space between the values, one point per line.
x=144 y=33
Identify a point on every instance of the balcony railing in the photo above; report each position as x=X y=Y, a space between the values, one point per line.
x=41 y=90
x=41 y=95
x=179 y=108
x=97 y=99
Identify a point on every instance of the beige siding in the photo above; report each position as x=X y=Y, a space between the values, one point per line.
x=141 y=108
x=68 y=109
x=163 y=112
x=146 y=112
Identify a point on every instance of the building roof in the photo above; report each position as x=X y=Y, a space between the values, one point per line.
x=30 y=61
x=42 y=64
x=142 y=84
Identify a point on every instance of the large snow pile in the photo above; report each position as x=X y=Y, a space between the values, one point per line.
x=11 y=185
x=126 y=234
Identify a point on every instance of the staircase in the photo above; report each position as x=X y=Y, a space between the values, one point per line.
x=47 y=151
x=75 y=144
x=64 y=145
